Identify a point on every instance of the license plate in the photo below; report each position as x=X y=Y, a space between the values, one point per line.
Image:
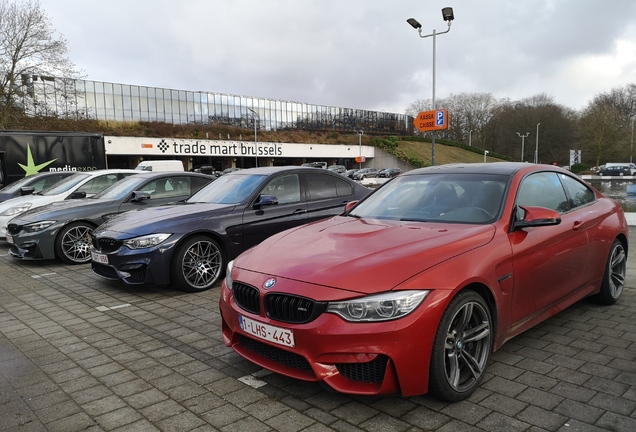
x=267 y=332
x=100 y=258
x=9 y=239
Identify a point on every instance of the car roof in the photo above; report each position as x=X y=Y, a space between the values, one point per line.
x=274 y=169
x=153 y=174
x=503 y=168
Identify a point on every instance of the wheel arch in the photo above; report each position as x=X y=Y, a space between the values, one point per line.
x=209 y=234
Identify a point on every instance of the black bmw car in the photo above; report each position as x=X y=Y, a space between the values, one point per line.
x=189 y=244
x=62 y=229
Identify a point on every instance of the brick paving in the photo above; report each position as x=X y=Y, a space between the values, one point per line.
x=78 y=353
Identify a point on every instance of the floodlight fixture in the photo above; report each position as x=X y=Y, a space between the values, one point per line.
x=447 y=14
x=414 y=23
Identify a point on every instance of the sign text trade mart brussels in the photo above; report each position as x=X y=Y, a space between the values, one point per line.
x=116 y=145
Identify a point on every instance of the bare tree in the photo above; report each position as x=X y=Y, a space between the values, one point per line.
x=29 y=51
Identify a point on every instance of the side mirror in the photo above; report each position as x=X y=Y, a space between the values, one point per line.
x=138 y=196
x=78 y=195
x=265 y=200
x=537 y=216
x=27 y=190
x=349 y=206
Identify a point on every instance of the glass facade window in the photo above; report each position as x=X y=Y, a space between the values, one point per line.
x=131 y=103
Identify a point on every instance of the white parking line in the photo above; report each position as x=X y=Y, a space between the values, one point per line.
x=105 y=308
x=42 y=275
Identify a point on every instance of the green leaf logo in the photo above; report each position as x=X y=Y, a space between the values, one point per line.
x=30 y=168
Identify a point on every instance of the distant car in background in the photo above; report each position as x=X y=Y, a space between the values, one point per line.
x=32 y=184
x=365 y=173
x=616 y=170
x=340 y=169
x=390 y=172
x=351 y=172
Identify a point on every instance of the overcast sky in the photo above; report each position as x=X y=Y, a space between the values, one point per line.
x=355 y=53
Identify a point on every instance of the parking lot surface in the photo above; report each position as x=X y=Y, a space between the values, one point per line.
x=78 y=353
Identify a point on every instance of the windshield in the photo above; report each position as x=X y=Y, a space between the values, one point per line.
x=121 y=189
x=66 y=184
x=228 y=189
x=466 y=198
x=15 y=186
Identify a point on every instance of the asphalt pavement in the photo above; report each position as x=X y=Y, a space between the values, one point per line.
x=78 y=353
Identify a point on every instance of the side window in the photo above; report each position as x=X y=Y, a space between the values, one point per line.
x=578 y=193
x=285 y=188
x=543 y=190
x=320 y=186
x=197 y=183
x=343 y=187
x=98 y=184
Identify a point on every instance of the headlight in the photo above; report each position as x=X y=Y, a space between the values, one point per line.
x=146 y=241
x=16 y=210
x=228 y=275
x=379 y=307
x=37 y=226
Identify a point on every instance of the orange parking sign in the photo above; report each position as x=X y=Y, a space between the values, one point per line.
x=432 y=120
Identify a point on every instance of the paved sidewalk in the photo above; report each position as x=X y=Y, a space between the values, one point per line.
x=81 y=354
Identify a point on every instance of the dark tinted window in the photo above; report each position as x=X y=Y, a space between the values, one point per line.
x=285 y=188
x=578 y=193
x=321 y=186
x=343 y=187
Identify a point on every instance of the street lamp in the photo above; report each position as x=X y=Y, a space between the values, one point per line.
x=523 y=139
x=360 y=144
x=470 y=138
x=631 y=149
x=447 y=14
x=485 y=153
x=536 y=148
x=256 y=116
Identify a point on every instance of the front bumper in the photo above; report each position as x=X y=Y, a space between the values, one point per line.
x=33 y=246
x=355 y=358
x=149 y=266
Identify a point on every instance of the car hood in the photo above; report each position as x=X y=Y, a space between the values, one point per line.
x=169 y=218
x=64 y=210
x=36 y=200
x=341 y=251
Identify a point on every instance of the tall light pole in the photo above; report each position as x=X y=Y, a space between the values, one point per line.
x=631 y=149
x=470 y=138
x=523 y=141
x=536 y=148
x=256 y=116
x=447 y=14
x=485 y=153
x=360 y=145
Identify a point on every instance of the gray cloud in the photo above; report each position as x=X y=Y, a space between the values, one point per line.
x=355 y=53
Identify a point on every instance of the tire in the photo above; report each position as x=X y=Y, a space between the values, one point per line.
x=614 y=276
x=197 y=264
x=73 y=244
x=461 y=348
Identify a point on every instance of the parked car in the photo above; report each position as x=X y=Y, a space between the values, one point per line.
x=229 y=170
x=411 y=289
x=62 y=229
x=79 y=185
x=190 y=243
x=351 y=172
x=390 y=172
x=32 y=184
x=365 y=173
x=615 y=170
x=340 y=169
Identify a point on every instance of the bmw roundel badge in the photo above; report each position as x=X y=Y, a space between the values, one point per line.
x=269 y=283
